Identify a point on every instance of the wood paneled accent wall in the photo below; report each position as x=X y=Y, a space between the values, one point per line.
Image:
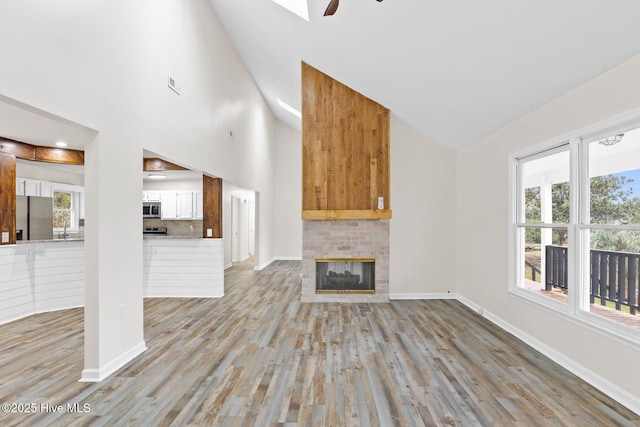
x=345 y=151
x=212 y=206
x=8 y=197
x=155 y=164
x=38 y=153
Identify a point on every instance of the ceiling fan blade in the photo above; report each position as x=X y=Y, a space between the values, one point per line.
x=331 y=9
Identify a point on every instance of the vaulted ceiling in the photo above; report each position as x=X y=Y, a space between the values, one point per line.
x=457 y=70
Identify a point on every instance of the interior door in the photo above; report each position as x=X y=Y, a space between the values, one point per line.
x=236 y=205
x=252 y=227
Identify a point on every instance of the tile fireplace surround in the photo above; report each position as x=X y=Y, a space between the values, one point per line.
x=345 y=239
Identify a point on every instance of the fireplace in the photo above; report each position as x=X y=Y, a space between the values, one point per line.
x=327 y=245
x=345 y=275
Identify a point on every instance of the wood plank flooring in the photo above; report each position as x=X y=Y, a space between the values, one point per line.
x=260 y=357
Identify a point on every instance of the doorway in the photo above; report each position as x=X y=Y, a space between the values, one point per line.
x=242 y=225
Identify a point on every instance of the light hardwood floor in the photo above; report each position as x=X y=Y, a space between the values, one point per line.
x=259 y=356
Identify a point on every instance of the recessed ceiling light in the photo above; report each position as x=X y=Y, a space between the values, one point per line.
x=157 y=176
x=299 y=7
x=289 y=108
x=61 y=144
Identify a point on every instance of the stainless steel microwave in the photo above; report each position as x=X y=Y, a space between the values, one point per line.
x=151 y=210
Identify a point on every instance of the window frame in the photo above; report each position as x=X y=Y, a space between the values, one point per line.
x=75 y=204
x=577 y=307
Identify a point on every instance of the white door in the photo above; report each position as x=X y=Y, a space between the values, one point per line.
x=252 y=227
x=236 y=205
x=244 y=229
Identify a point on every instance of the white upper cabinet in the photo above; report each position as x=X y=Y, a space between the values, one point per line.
x=185 y=205
x=151 y=196
x=19 y=187
x=198 y=205
x=46 y=189
x=31 y=187
x=169 y=207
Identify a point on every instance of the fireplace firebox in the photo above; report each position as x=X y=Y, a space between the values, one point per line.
x=345 y=275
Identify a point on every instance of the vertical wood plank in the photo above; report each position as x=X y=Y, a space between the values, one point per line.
x=8 y=197
x=343 y=132
x=212 y=206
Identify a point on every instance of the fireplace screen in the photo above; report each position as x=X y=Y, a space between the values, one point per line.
x=351 y=275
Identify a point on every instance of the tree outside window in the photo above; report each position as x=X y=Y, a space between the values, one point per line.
x=62 y=209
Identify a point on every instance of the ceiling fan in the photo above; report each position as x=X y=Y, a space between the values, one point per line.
x=333 y=6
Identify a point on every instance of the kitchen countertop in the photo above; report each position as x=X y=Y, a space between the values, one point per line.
x=152 y=236
x=70 y=239
x=81 y=239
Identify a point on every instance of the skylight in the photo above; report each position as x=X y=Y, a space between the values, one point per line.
x=289 y=108
x=299 y=7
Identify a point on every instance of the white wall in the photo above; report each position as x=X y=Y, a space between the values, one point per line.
x=483 y=223
x=177 y=185
x=288 y=192
x=105 y=66
x=423 y=227
x=50 y=173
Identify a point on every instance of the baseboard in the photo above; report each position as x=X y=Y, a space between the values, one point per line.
x=97 y=375
x=401 y=296
x=607 y=387
x=264 y=265
x=228 y=265
x=288 y=258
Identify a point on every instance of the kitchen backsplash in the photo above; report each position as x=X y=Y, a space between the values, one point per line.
x=176 y=228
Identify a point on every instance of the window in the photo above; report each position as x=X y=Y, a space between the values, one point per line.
x=544 y=215
x=62 y=210
x=576 y=227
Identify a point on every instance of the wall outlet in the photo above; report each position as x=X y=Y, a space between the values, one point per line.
x=381 y=203
x=5 y=237
x=209 y=232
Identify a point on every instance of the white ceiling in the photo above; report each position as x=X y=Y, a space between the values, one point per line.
x=457 y=70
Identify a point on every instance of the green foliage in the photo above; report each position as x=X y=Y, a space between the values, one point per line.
x=616 y=240
x=532 y=213
x=61 y=200
x=610 y=202
x=61 y=209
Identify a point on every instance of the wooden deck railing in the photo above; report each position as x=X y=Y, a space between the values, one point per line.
x=615 y=276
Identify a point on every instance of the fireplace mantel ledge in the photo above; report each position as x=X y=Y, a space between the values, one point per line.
x=319 y=215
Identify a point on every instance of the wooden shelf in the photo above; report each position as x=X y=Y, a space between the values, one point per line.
x=318 y=215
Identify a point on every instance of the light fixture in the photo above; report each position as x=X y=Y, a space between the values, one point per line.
x=611 y=140
x=289 y=108
x=61 y=144
x=157 y=176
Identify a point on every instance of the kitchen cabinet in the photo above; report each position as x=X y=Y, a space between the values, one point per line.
x=31 y=187
x=46 y=189
x=169 y=208
x=181 y=204
x=198 y=205
x=185 y=205
x=151 y=196
x=19 y=187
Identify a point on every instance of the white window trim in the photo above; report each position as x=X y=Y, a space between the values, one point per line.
x=75 y=191
x=576 y=309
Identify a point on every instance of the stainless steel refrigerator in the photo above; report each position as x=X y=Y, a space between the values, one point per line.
x=34 y=216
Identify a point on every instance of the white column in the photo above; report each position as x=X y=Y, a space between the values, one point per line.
x=113 y=255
